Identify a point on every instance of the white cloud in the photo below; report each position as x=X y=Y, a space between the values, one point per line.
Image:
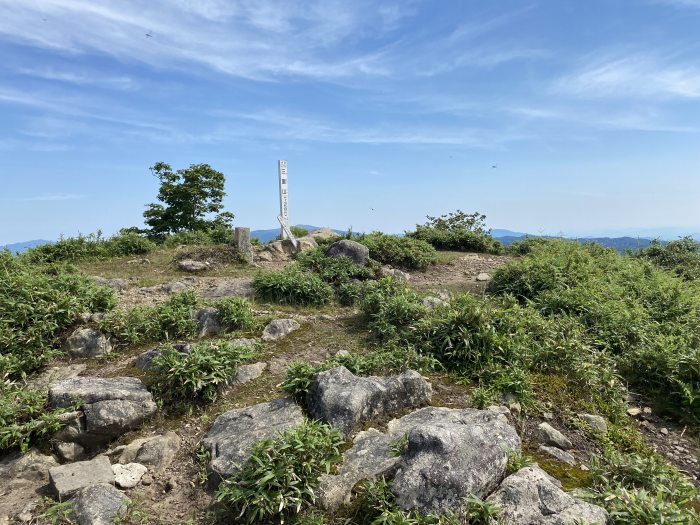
x=632 y=76
x=125 y=83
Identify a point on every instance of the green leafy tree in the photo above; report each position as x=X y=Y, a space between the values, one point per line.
x=189 y=196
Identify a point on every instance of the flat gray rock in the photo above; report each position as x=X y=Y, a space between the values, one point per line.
x=156 y=452
x=346 y=401
x=242 y=287
x=117 y=284
x=597 y=422
x=531 y=496
x=114 y=417
x=99 y=504
x=235 y=432
x=66 y=480
x=279 y=328
x=65 y=393
x=188 y=265
x=451 y=454
x=87 y=342
x=248 y=373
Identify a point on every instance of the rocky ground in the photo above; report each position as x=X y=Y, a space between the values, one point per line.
x=121 y=456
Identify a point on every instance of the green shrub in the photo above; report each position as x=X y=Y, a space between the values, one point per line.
x=197 y=374
x=24 y=416
x=142 y=324
x=403 y=252
x=292 y=286
x=38 y=303
x=187 y=238
x=390 y=305
x=281 y=475
x=349 y=293
x=681 y=256
x=643 y=318
x=641 y=490
x=333 y=270
x=235 y=313
x=458 y=231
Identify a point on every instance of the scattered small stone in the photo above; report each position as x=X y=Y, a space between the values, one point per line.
x=432 y=302
x=597 y=422
x=547 y=434
x=548 y=416
x=483 y=277
x=128 y=476
x=583 y=467
x=558 y=454
x=139 y=261
x=633 y=412
x=646 y=410
x=147 y=479
x=664 y=431
x=279 y=328
x=247 y=373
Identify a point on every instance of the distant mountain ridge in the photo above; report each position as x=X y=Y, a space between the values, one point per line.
x=18 y=247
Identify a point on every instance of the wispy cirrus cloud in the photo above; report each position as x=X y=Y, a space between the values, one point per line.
x=631 y=76
x=124 y=82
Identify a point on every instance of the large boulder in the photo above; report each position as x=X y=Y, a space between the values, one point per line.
x=533 y=496
x=111 y=407
x=68 y=479
x=450 y=455
x=100 y=504
x=346 y=401
x=279 y=328
x=234 y=433
x=359 y=253
x=87 y=342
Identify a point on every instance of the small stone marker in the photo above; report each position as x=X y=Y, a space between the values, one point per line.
x=241 y=240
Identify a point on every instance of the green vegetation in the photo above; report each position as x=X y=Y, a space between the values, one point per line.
x=38 y=303
x=333 y=270
x=188 y=197
x=143 y=324
x=390 y=305
x=458 y=231
x=235 y=313
x=402 y=252
x=24 y=416
x=681 y=256
x=90 y=247
x=197 y=374
x=516 y=461
x=645 y=319
x=639 y=490
x=281 y=475
x=292 y=286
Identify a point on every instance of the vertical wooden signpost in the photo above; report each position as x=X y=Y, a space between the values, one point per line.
x=284 y=202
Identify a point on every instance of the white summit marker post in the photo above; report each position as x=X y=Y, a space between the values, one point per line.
x=284 y=202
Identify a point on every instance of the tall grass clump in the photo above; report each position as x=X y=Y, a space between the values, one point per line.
x=281 y=476
x=292 y=286
x=162 y=322
x=402 y=252
x=458 y=231
x=198 y=373
x=645 y=318
x=389 y=306
x=38 y=303
x=641 y=490
x=235 y=313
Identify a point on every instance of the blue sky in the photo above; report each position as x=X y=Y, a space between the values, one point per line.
x=590 y=111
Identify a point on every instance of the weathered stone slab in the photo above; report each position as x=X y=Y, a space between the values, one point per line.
x=279 y=328
x=100 y=504
x=68 y=479
x=87 y=342
x=346 y=401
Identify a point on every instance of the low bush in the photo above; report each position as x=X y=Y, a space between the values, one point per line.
x=162 y=322
x=235 y=313
x=333 y=270
x=681 y=257
x=196 y=375
x=281 y=476
x=403 y=252
x=38 y=303
x=292 y=286
x=90 y=247
x=458 y=231
x=641 y=490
